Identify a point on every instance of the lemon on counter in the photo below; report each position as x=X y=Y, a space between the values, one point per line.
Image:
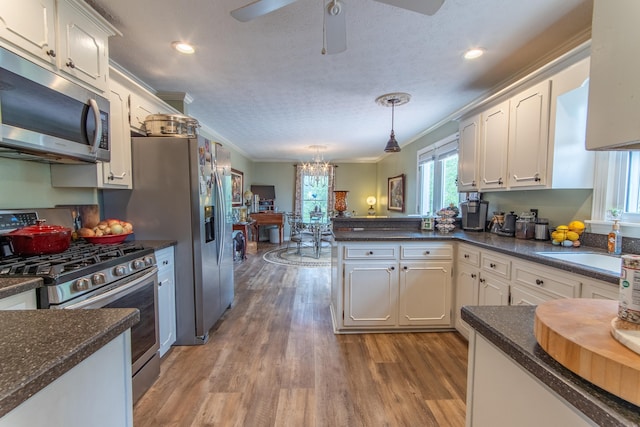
x=577 y=226
x=572 y=235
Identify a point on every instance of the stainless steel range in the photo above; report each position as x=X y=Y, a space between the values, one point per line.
x=88 y=276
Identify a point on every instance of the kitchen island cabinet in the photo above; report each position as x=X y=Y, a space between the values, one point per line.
x=66 y=368
x=392 y=286
x=511 y=381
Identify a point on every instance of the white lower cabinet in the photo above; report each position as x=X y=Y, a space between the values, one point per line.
x=371 y=291
x=493 y=291
x=467 y=283
x=22 y=301
x=592 y=288
x=425 y=293
x=166 y=298
x=393 y=286
x=495 y=277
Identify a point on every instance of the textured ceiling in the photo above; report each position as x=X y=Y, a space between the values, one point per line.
x=264 y=87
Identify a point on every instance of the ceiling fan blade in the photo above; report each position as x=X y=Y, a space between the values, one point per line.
x=426 y=7
x=335 y=27
x=258 y=8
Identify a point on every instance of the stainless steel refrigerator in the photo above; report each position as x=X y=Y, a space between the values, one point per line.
x=182 y=192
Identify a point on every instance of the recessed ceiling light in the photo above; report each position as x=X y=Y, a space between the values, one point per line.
x=473 y=53
x=183 y=47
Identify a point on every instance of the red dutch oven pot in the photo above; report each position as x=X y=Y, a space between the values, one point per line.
x=40 y=239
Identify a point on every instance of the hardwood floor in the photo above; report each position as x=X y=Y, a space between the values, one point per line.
x=273 y=360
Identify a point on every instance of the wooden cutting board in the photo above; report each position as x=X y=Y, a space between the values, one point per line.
x=577 y=333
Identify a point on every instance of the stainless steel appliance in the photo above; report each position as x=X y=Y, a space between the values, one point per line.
x=97 y=276
x=48 y=118
x=474 y=214
x=182 y=192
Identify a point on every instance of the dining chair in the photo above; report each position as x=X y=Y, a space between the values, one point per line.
x=298 y=233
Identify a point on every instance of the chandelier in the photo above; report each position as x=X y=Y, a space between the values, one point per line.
x=317 y=169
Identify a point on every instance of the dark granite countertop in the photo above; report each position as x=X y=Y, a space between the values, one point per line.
x=38 y=346
x=13 y=286
x=157 y=244
x=525 y=249
x=510 y=328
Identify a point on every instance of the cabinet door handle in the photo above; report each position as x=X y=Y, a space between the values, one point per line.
x=165 y=262
x=492 y=265
x=405 y=268
x=51 y=53
x=370 y=253
x=500 y=181
x=427 y=252
x=70 y=64
x=392 y=268
x=473 y=276
x=466 y=256
x=482 y=280
x=539 y=282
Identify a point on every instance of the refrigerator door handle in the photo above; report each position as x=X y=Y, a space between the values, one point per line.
x=221 y=218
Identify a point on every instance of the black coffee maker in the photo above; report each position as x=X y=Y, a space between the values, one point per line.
x=474 y=212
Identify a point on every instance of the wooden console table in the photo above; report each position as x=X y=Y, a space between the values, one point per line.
x=245 y=227
x=264 y=218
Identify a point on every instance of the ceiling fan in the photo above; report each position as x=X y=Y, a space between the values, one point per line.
x=335 y=26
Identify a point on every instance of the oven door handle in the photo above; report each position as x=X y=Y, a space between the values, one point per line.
x=115 y=293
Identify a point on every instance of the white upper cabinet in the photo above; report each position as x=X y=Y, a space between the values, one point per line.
x=30 y=27
x=534 y=139
x=494 y=144
x=468 y=146
x=529 y=136
x=82 y=45
x=614 y=93
x=65 y=36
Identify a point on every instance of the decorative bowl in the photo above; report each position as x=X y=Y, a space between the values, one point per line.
x=111 y=239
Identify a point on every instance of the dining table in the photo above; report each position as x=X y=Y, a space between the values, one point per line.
x=319 y=229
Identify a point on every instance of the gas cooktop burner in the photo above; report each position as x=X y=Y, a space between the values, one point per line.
x=80 y=257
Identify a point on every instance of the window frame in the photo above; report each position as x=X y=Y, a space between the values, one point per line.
x=609 y=190
x=437 y=152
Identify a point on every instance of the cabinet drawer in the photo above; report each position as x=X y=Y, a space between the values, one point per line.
x=546 y=279
x=164 y=258
x=496 y=265
x=468 y=255
x=371 y=252
x=426 y=252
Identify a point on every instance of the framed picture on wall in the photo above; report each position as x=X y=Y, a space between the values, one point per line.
x=237 y=185
x=395 y=193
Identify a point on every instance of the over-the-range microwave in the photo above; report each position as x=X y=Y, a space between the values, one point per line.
x=48 y=118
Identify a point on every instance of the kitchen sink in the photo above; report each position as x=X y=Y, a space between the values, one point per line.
x=589 y=259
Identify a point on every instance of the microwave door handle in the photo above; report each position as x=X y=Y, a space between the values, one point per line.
x=98 y=135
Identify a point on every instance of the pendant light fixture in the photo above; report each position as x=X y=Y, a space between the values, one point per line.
x=393 y=99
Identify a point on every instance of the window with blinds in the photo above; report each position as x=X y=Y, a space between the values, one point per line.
x=437 y=175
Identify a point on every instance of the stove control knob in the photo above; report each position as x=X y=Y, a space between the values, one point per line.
x=81 y=285
x=98 y=279
x=149 y=261
x=137 y=264
x=120 y=270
